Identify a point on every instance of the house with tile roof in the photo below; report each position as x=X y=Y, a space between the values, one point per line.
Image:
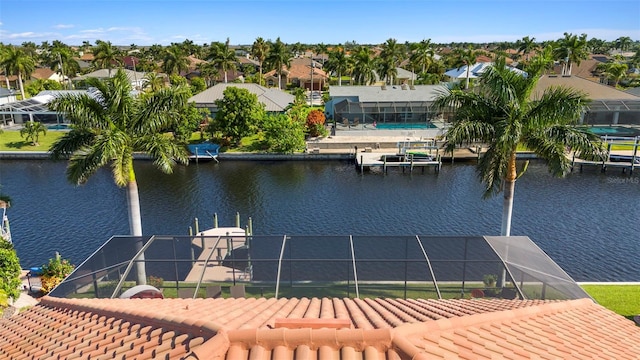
x=274 y=100
x=345 y=327
x=299 y=74
x=46 y=74
x=317 y=328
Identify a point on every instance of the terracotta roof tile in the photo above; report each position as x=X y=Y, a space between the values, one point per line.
x=381 y=328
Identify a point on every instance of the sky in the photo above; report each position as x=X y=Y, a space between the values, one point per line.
x=147 y=22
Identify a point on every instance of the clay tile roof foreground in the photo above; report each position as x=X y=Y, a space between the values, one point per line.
x=317 y=329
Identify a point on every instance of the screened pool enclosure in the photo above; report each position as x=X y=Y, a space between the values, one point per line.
x=413 y=266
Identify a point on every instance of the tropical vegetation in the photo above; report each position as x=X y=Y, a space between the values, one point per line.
x=9 y=270
x=502 y=114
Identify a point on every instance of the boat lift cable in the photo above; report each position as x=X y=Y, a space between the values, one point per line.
x=355 y=272
x=426 y=258
x=284 y=242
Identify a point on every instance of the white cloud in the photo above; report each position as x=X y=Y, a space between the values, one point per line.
x=63 y=26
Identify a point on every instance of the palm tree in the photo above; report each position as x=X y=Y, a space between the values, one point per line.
x=31 y=131
x=615 y=71
x=174 y=60
x=421 y=54
x=338 y=63
x=467 y=57
x=279 y=57
x=3 y=54
x=223 y=58
x=503 y=115
x=105 y=56
x=623 y=43
x=17 y=62
x=113 y=125
x=526 y=46
x=62 y=60
x=390 y=58
x=259 y=51
x=571 y=49
x=321 y=49
x=153 y=82
x=364 y=66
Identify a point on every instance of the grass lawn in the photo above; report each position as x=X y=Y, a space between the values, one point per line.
x=621 y=299
x=10 y=140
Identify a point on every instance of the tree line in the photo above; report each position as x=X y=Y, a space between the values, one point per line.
x=350 y=62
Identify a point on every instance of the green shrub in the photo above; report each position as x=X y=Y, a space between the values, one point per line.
x=54 y=272
x=9 y=270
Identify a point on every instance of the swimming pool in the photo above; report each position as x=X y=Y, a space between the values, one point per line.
x=404 y=126
x=58 y=127
x=614 y=130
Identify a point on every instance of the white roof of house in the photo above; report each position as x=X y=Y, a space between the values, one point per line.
x=475 y=71
x=387 y=93
x=274 y=99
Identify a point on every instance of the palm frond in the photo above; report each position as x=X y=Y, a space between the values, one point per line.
x=557 y=105
x=164 y=151
x=83 y=163
x=70 y=142
x=492 y=168
x=122 y=168
x=159 y=110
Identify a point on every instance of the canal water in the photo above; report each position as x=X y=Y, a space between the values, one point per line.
x=589 y=222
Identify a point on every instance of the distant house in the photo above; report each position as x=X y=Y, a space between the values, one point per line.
x=33 y=109
x=298 y=74
x=382 y=104
x=403 y=76
x=46 y=74
x=475 y=71
x=608 y=106
x=136 y=77
x=7 y=96
x=274 y=100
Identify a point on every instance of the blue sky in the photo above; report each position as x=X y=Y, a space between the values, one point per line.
x=146 y=22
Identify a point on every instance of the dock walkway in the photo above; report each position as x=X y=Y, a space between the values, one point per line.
x=387 y=160
x=216 y=244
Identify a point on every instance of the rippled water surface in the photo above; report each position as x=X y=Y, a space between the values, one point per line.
x=589 y=222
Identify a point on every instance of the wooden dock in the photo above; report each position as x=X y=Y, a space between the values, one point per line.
x=216 y=244
x=624 y=165
x=624 y=159
x=409 y=161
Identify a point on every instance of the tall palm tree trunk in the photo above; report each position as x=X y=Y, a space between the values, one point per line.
x=135 y=227
x=509 y=190
x=21 y=85
x=466 y=86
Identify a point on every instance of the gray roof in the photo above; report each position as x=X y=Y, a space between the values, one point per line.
x=4 y=92
x=603 y=97
x=387 y=93
x=634 y=91
x=275 y=100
